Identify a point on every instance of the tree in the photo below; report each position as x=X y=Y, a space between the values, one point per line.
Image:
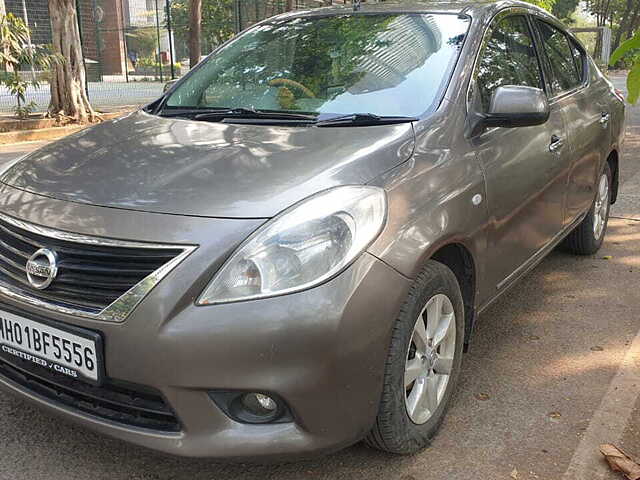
x=216 y=25
x=546 y=4
x=14 y=52
x=195 y=32
x=563 y=9
x=630 y=47
x=628 y=21
x=68 y=79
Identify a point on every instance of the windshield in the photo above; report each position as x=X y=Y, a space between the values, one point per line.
x=384 y=64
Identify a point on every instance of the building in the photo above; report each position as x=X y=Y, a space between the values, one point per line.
x=105 y=27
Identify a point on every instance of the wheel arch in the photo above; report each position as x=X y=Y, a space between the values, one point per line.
x=613 y=161
x=460 y=260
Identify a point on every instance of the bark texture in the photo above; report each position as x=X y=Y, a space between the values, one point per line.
x=68 y=79
x=195 y=31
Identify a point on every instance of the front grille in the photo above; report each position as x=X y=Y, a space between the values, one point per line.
x=90 y=276
x=123 y=403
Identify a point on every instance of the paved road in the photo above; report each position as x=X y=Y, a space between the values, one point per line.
x=554 y=370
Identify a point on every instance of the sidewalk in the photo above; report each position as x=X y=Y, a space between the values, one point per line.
x=13 y=130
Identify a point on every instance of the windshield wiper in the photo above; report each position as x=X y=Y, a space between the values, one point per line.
x=217 y=114
x=362 y=119
x=252 y=113
x=190 y=112
x=222 y=113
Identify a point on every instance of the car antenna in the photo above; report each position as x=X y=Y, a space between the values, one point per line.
x=356 y=5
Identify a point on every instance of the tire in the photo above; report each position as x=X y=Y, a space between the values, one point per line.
x=587 y=237
x=396 y=430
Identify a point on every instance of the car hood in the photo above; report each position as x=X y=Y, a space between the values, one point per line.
x=176 y=166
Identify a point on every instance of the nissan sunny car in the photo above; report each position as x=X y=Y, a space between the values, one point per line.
x=286 y=253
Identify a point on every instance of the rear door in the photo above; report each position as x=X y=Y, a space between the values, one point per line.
x=585 y=111
x=525 y=168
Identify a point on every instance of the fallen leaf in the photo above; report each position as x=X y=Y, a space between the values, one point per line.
x=607 y=257
x=483 y=397
x=620 y=461
x=596 y=348
x=514 y=474
x=555 y=414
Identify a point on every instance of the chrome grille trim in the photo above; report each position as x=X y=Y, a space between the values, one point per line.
x=119 y=309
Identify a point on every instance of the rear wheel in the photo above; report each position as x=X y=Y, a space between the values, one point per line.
x=587 y=237
x=423 y=363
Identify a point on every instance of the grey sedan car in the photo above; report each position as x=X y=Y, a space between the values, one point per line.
x=287 y=252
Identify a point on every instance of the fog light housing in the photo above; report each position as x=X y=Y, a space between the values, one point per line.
x=259 y=404
x=252 y=407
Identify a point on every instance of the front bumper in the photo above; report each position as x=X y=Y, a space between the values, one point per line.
x=322 y=351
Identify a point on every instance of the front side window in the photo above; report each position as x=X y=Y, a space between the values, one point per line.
x=565 y=74
x=509 y=58
x=385 y=64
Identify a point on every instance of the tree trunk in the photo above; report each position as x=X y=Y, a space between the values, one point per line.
x=68 y=81
x=195 y=31
x=633 y=24
x=3 y=12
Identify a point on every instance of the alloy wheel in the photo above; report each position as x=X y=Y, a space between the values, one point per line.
x=601 y=207
x=430 y=358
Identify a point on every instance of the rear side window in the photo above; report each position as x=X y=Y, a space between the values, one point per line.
x=579 y=59
x=509 y=58
x=560 y=54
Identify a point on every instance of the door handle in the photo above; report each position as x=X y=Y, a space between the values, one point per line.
x=556 y=144
x=604 y=119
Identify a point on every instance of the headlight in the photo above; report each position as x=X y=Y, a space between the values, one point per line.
x=302 y=247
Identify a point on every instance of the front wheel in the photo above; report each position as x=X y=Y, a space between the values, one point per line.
x=587 y=238
x=423 y=363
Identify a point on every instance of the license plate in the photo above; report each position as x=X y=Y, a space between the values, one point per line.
x=72 y=352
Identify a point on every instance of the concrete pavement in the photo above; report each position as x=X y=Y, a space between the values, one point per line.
x=553 y=371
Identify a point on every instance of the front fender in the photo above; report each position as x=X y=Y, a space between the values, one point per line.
x=431 y=204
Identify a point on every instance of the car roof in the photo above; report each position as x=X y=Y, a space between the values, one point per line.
x=472 y=7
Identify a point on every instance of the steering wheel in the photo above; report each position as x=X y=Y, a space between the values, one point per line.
x=285 y=82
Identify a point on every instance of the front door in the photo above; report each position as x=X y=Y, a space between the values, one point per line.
x=525 y=168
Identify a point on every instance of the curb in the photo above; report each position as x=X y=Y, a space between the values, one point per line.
x=19 y=134
x=41 y=134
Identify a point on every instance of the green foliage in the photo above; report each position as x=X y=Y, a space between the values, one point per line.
x=546 y=4
x=633 y=83
x=625 y=47
x=14 y=53
x=217 y=22
x=629 y=48
x=563 y=9
x=143 y=41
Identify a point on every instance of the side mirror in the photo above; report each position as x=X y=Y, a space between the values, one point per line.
x=513 y=106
